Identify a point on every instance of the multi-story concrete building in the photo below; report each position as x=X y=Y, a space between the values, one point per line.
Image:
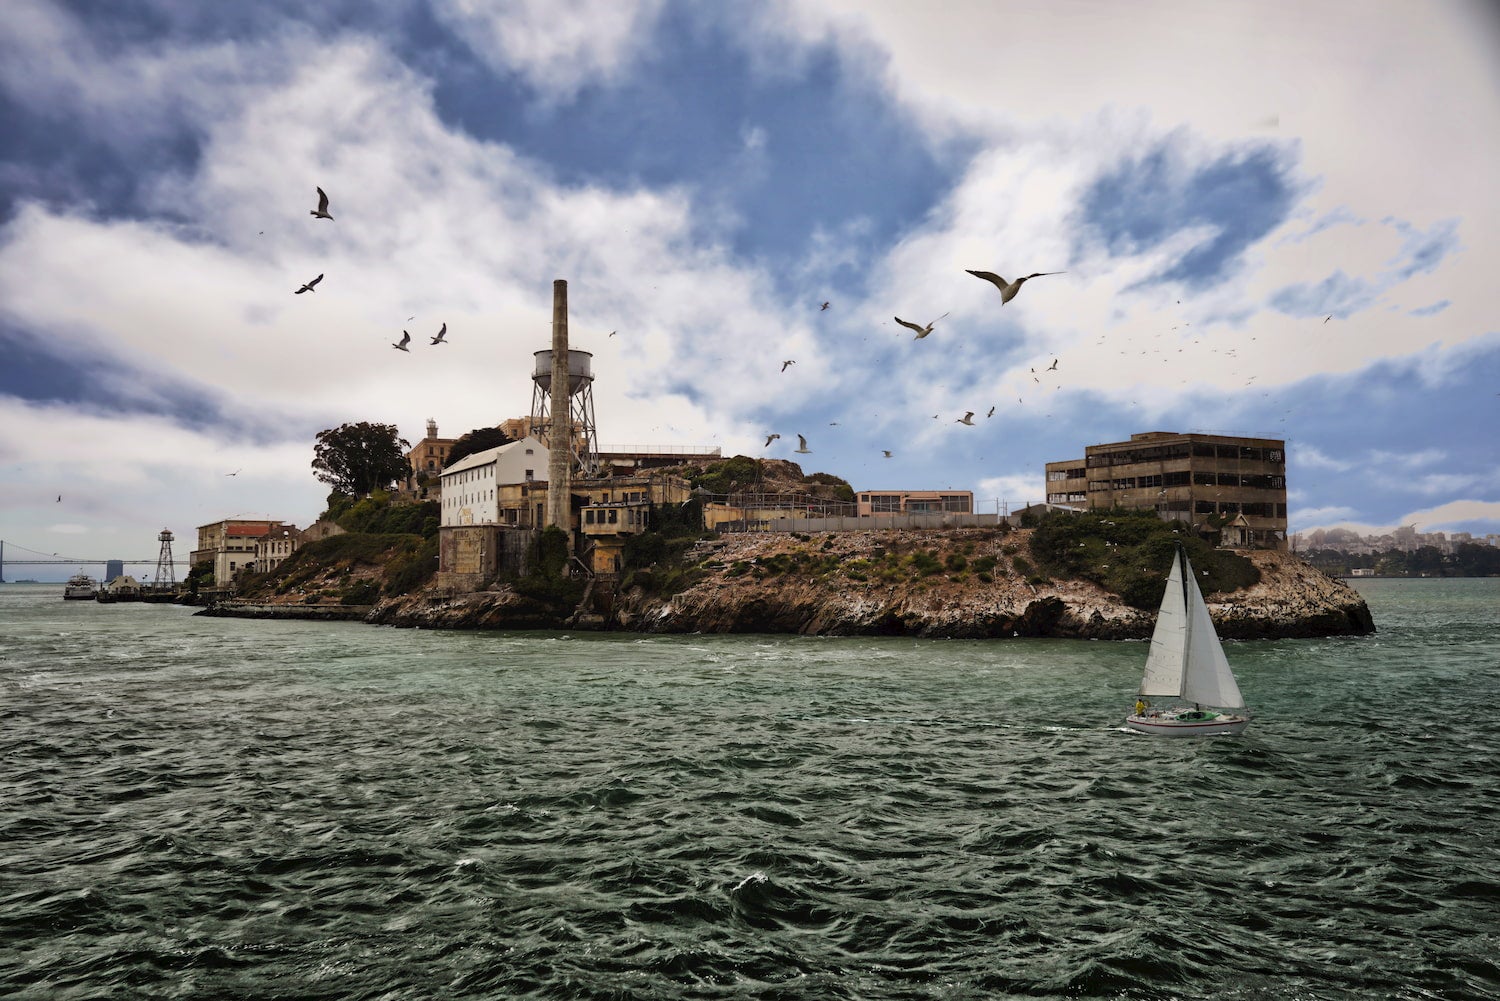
x=426 y=459
x=275 y=546
x=874 y=503
x=491 y=487
x=1236 y=486
x=618 y=507
x=230 y=545
x=493 y=500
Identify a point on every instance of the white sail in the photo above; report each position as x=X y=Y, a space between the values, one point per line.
x=1168 y=658
x=1208 y=680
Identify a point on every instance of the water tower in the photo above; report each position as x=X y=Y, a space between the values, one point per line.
x=166 y=576
x=580 y=435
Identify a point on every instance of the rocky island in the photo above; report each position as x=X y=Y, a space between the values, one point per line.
x=963 y=583
x=1073 y=574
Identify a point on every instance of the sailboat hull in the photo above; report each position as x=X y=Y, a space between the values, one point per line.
x=1169 y=725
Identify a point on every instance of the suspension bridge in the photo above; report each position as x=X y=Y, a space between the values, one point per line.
x=165 y=571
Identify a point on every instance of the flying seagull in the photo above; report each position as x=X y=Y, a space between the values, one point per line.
x=967 y=418
x=235 y=473
x=1007 y=289
x=440 y=335
x=321 y=212
x=1328 y=317
x=309 y=287
x=802 y=448
x=824 y=306
x=402 y=345
x=612 y=333
x=1053 y=366
x=921 y=331
x=770 y=438
x=992 y=411
x=59 y=500
x=885 y=452
x=789 y=361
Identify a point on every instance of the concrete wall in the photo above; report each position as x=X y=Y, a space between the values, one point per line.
x=884 y=522
x=470 y=557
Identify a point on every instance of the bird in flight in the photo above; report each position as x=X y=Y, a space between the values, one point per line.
x=1009 y=290
x=402 y=344
x=770 y=438
x=612 y=333
x=885 y=452
x=967 y=418
x=309 y=286
x=440 y=335
x=1053 y=366
x=784 y=364
x=802 y=448
x=235 y=473
x=1328 y=317
x=921 y=331
x=59 y=500
x=992 y=411
x=824 y=306
x=321 y=212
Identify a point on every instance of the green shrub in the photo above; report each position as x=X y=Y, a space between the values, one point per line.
x=925 y=562
x=361 y=592
x=1129 y=552
x=955 y=563
x=412 y=569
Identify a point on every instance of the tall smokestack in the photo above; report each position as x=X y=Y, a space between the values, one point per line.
x=559 y=465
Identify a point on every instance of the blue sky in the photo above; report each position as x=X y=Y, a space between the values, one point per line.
x=1274 y=218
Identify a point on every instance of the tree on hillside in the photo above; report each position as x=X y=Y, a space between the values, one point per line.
x=355 y=459
x=476 y=440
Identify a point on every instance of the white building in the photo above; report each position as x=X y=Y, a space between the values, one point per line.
x=487 y=488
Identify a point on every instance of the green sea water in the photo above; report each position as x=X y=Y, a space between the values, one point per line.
x=199 y=807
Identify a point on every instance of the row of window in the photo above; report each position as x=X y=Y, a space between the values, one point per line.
x=1258 y=481
x=891 y=503
x=614 y=516
x=1182 y=450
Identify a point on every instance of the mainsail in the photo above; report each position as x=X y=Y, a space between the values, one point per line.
x=1167 y=660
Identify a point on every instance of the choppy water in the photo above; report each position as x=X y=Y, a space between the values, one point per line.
x=216 y=808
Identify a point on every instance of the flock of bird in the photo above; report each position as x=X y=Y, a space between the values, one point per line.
x=321 y=212
x=1008 y=291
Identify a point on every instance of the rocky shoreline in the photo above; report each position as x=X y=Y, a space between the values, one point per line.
x=732 y=593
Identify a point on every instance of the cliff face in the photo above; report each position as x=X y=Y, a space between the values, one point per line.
x=958 y=584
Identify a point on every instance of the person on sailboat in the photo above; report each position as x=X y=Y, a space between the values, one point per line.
x=1140 y=707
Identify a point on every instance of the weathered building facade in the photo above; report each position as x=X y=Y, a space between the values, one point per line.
x=230 y=545
x=1219 y=483
x=492 y=487
x=874 y=503
x=426 y=460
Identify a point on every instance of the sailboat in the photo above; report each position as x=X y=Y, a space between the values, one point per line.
x=1187 y=664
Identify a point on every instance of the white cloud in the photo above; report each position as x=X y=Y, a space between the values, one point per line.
x=1310 y=457
x=559 y=47
x=1012 y=490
